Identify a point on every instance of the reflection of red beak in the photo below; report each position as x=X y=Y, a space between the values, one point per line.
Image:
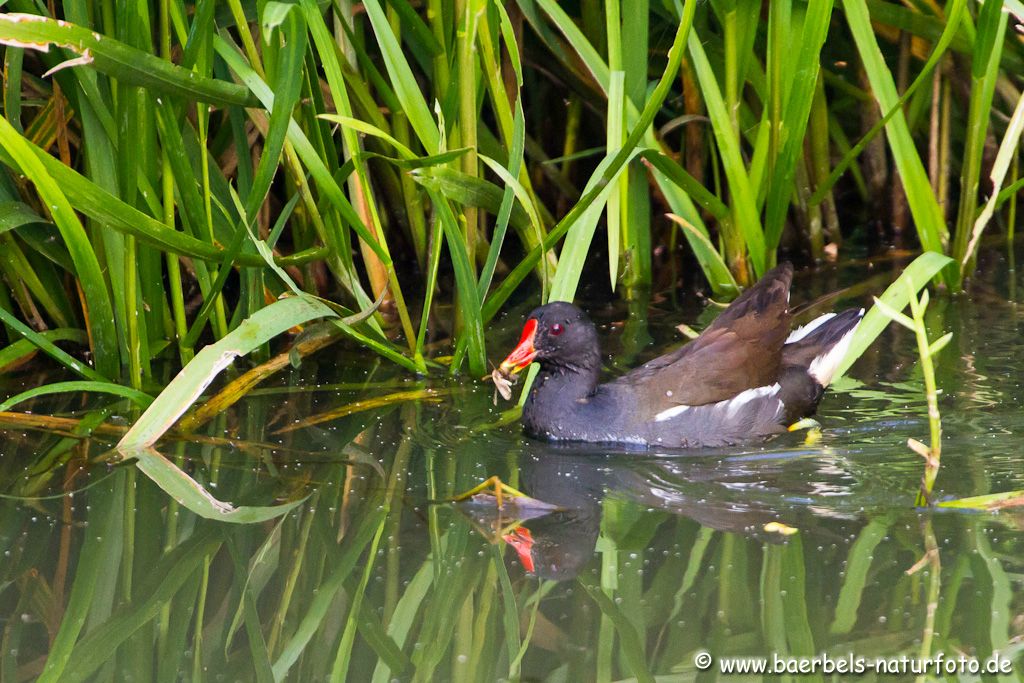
x=524 y=352
x=522 y=540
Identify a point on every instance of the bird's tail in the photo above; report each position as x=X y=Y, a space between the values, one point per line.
x=810 y=358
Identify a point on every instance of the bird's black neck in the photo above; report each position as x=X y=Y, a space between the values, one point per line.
x=558 y=393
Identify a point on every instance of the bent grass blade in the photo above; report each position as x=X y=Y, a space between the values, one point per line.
x=715 y=269
x=896 y=296
x=193 y=496
x=189 y=384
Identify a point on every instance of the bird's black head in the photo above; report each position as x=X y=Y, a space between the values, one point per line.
x=556 y=334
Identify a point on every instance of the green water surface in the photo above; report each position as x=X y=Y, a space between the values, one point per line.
x=650 y=558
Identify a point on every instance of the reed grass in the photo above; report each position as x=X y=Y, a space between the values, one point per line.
x=927 y=350
x=388 y=152
x=186 y=182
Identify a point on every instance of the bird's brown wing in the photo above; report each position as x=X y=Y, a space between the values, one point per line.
x=741 y=349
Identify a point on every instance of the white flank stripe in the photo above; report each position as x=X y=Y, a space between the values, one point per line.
x=730 y=405
x=670 y=413
x=801 y=332
x=824 y=366
x=734 y=404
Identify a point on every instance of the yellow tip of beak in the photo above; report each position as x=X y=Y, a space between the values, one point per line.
x=510 y=369
x=806 y=423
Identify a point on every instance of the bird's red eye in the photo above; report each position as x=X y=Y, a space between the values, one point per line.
x=557 y=329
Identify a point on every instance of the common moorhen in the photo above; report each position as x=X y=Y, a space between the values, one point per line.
x=746 y=377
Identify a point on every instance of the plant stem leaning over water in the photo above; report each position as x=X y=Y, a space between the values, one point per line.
x=926 y=351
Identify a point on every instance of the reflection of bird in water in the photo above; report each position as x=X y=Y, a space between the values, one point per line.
x=558 y=545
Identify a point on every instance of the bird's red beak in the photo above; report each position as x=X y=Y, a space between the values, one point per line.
x=524 y=352
x=522 y=541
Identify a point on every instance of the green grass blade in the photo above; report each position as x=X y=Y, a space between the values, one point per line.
x=406 y=88
x=93 y=201
x=510 y=615
x=370 y=129
x=465 y=281
x=342 y=658
x=402 y=619
x=341 y=567
x=14 y=58
x=100 y=314
x=686 y=182
x=858 y=563
x=744 y=199
x=795 y=116
x=258 y=655
x=631 y=641
x=518 y=190
x=118 y=60
x=104 y=516
x=1000 y=167
x=507 y=200
x=654 y=102
x=927 y=215
x=580 y=233
x=985 y=66
x=260 y=569
x=307 y=153
x=137 y=397
x=287 y=86
x=174 y=569
x=616 y=112
x=988 y=501
x=715 y=269
x=585 y=50
x=896 y=296
x=949 y=32
x=15 y=214
x=18 y=351
x=468 y=191
x=44 y=344
x=39 y=279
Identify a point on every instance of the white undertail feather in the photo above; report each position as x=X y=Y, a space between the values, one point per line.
x=801 y=332
x=823 y=368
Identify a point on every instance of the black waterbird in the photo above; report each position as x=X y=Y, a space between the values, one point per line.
x=746 y=377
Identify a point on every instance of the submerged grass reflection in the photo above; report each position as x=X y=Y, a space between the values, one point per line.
x=648 y=560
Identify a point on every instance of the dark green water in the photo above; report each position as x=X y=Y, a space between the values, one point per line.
x=651 y=559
